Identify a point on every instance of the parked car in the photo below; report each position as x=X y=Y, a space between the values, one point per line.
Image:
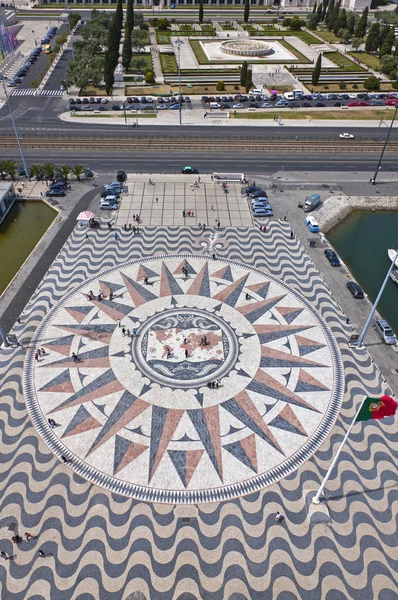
x=250 y=189
x=355 y=289
x=311 y=202
x=262 y=212
x=108 y=206
x=121 y=176
x=351 y=104
x=88 y=173
x=259 y=194
x=385 y=332
x=56 y=192
x=346 y=136
x=320 y=105
x=332 y=257
x=239 y=105
x=114 y=193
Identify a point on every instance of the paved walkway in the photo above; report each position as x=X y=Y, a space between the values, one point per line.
x=155 y=53
x=212 y=550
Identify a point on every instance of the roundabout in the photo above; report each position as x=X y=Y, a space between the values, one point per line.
x=195 y=380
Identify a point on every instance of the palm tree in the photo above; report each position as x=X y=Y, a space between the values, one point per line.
x=77 y=171
x=35 y=171
x=49 y=171
x=65 y=171
x=3 y=173
x=10 y=167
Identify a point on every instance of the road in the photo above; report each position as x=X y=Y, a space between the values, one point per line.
x=256 y=165
x=59 y=72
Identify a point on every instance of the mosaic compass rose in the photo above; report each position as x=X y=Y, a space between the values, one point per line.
x=138 y=412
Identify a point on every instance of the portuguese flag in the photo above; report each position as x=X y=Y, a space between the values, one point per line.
x=377 y=408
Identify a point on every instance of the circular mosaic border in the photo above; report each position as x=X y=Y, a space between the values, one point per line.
x=221 y=493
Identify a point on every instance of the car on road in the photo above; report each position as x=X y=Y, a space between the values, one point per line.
x=162 y=107
x=175 y=106
x=189 y=171
x=239 y=105
x=56 y=192
x=102 y=108
x=307 y=105
x=352 y=104
x=121 y=176
x=332 y=257
x=88 y=172
x=355 y=289
x=267 y=105
x=320 y=104
x=104 y=100
x=346 y=136
x=385 y=332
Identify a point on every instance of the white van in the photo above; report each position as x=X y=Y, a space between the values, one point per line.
x=215 y=105
x=253 y=92
x=288 y=96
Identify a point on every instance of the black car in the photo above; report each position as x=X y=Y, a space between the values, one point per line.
x=72 y=101
x=115 y=107
x=129 y=101
x=21 y=171
x=57 y=193
x=205 y=98
x=307 y=105
x=97 y=100
x=332 y=257
x=338 y=103
x=355 y=289
x=121 y=176
x=230 y=99
x=320 y=105
x=88 y=173
x=251 y=189
x=253 y=105
x=259 y=194
x=91 y=100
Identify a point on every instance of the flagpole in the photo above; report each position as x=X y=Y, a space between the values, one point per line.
x=316 y=498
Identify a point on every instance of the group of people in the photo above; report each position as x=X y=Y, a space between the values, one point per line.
x=126 y=331
x=39 y=352
x=100 y=296
x=188 y=213
x=214 y=385
x=130 y=227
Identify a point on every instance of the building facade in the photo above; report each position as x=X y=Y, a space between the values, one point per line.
x=285 y=5
x=7 y=199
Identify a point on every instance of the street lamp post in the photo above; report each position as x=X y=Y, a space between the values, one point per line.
x=15 y=128
x=178 y=43
x=373 y=181
x=372 y=312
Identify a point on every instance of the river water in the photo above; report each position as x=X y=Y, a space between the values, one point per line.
x=362 y=241
x=23 y=227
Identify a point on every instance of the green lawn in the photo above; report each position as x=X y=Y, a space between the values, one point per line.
x=207 y=28
x=186 y=27
x=228 y=27
x=370 y=60
x=328 y=36
x=148 y=61
x=168 y=62
x=305 y=37
x=336 y=115
x=163 y=37
x=344 y=62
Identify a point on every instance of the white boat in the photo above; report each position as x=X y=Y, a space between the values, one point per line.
x=391 y=255
x=394 y=275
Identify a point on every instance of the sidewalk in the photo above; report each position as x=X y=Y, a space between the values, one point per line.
x=196 y=117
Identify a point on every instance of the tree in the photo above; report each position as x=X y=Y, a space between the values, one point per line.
x=220 y=87
x=138 y=64
x=312 y=22
x=329 y=13
x=317 y=70
x=35 y=171
x=248 y=83
x=356 y=42
x=109 y=70
x=243 y=73
x=360 y=29
x=127 y=51
x=351 y=23
x=246 y=12
x=388 y=65
x=286 y=22
x=163 y=25
x=295 y=24
x=395 y=84
x=373 y=39
x=345 y=36
x=73 y=18
x=65 y=171
x=138 y=39
x=341 y=21
x=77 y=171
x=10 y=167
x=201 y=11
x=138 y=19
x=371 y=83
x=314 y=8
x=386 y=47
x=149 y=77
x=334 y=17
x=49 y=171
x=3 y=170
x=129 y=25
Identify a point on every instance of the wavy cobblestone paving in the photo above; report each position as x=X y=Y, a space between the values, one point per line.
x=98 y=544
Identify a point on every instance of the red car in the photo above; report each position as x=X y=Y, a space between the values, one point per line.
x=391 y=102
x=363 y=103
x=352 y=103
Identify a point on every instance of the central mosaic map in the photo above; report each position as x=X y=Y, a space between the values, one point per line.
x=182 y=379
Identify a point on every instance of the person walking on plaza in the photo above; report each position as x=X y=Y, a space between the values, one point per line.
x=118 y=323
x=28 y=536
x=86 y=236
x=3 y=555
x=278 y=517
x=116 y=236
x=186 y=353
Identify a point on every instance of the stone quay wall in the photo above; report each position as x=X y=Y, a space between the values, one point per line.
x=337 y=208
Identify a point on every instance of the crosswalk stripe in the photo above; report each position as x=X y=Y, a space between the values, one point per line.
x=51 y=93
x=22 y=92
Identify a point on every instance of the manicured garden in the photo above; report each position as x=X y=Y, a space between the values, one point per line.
x=370 y=60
